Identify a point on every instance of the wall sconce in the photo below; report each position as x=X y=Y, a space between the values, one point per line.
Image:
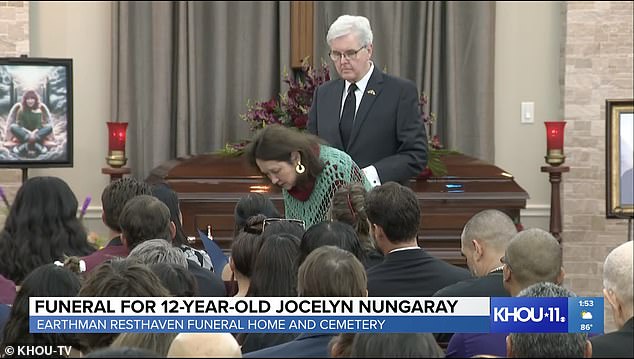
x=555 y=142
x=116 y=144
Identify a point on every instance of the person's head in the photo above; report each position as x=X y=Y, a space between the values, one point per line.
x=275 y=270
x=143 y=218
x=158 y=251
x=484 y=239
x=532 y=256
x=246 y=246
x=41 y=227
x=350 y=40
x=30 y=100
x=204 y=345
x=118 y=278
x=332 y=272
x=399 y=345
x=176 y=278
x=348 y=206
x=158 y=343
x=121 y=352
x=48 y=280
x=341 y=345
x=394 y=215
x=285 y=156
x=336 y=234
x=116 y=195
x=547 y=345
x=252 y=205
x=617 y=282
x=292 y=226
x=166 y=195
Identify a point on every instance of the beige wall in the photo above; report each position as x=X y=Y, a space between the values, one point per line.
x=81 y=31
x=527 y=55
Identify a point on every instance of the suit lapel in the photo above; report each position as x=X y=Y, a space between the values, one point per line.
x=372 y=91
x=334 y=113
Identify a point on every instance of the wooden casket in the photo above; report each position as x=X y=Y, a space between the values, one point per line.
x=210 y=185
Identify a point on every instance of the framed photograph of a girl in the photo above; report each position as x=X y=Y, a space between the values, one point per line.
x=36 y=112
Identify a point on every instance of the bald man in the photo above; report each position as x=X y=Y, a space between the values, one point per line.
x=204 y=345
x=619 y=293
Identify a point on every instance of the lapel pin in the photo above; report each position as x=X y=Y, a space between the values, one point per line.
x=371 y=92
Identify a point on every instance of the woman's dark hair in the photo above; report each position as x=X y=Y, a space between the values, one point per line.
x=336 y=234
x=275 y=271
x=48 y=280
x=118 y=278
x=330 y=271
x=166 y=195
x=246 y=246
x=348 y=206
x=276 y=143
x=283 y=227
x=41 y=227
x=253 y=205
x=176 y=278
x=395 y=345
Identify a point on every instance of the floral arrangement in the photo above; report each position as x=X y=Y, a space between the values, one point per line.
x=435 y=166
x=290 y=109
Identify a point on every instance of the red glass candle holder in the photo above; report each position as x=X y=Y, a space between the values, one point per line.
x=116 y=144
x=555 y=142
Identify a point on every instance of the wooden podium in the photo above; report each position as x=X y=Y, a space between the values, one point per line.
x=209 y=186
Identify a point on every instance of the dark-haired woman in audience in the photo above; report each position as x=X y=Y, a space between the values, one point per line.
x=48 y=280
x=244 y=251
x=176 y=278
x=274 y=275
x=158 y=343
x=348 y=206
x=170 y=198
x=395 y=345
x=336 y=234
x=41 y=227
x=252 y=205
x=308 y=172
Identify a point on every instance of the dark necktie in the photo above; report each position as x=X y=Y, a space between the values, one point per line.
x=347 y=115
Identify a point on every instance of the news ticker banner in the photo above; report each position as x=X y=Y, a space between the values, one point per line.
x=316 y=315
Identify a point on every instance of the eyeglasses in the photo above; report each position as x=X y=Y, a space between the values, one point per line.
x=348 y=55
x=274 y=220
x=505 y=261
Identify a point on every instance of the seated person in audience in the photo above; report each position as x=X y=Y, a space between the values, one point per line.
x=41 y=227
x=158 y=343
x=117 y=278
x=407 y=270
x=250 y=206
x=113 y=198
x=145 y=217
x=48 y=280
x=336 y=234
x=395 y=345
x=483 y=242
x=618 y=292
x=204 y=345
x=274 y=275
x=532 y=256
x=176 y=279
x=327 y=272
x=155 y=251
x=547 y=345
x=348 y=206
x=244 y=251
x=170 y=198
x=7 y=290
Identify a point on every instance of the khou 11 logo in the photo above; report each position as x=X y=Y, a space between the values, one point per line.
x=529 y=315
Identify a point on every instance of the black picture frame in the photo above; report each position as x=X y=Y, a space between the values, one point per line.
x=42 y=136
x=619 y=116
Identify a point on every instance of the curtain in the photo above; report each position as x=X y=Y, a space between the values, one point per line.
x=182 y=72
x=446 y=48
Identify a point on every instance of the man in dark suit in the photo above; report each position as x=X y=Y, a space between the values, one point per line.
x=378 y=123
x=407 y=270
x=618 y=292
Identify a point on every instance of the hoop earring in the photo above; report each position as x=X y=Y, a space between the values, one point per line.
x=300 y=168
